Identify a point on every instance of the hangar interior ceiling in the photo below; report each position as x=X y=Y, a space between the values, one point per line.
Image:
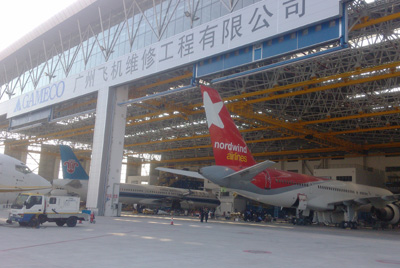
x=342 y=104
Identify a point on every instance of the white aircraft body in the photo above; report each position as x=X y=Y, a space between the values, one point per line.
x=16 y=177
x=75 y=182
x=161 y=196
x=333 y=201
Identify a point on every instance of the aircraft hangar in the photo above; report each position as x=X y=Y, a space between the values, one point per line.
x=120 y=78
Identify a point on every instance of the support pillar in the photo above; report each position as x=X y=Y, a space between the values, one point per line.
x=134 y=166
x=20 y=152
x=56 y=169
x=47 y=162
x=153 y=174
x=108 y=145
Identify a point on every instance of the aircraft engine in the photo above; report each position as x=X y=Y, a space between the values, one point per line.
x=390 y=214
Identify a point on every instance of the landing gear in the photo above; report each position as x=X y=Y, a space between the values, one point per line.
x=348 y=224
x=301 y=221
x=350 y=217
x=303 y=217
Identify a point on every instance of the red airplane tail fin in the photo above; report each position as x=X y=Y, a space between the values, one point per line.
x=229 y=147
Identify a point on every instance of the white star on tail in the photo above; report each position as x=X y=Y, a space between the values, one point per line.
x=212 y=111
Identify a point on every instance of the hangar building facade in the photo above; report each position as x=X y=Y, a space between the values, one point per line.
x=310 y=86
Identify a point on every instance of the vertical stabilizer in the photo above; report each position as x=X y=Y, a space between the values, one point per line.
x=229 y=147
x=72 y=168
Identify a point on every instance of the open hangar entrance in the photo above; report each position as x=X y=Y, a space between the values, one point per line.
x=306 y=113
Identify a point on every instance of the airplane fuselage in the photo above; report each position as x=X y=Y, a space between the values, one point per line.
x=157 y=196
x=283 y=188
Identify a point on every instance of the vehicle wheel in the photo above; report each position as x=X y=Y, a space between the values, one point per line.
x=33 y=222
x=71 y=222
x=23 y=223
x=42 y=219
x=60 y=223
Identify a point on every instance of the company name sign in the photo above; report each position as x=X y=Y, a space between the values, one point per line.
x=252 y=24
x=44 y=95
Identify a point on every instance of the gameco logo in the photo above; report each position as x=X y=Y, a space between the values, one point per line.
x=40 y=96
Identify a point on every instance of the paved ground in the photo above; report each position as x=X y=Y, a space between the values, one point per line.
x=151 y=241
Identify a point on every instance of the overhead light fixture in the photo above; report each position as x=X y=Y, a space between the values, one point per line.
x=157 y=95
x=10 y=94
x=49 y=75
x=108 y=51
x=189 y=15
x=71 y=116
x=26 y=127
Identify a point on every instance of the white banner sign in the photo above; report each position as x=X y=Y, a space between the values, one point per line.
x=260 y=21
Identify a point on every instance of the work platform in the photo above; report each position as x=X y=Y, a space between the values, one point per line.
x=151 y=241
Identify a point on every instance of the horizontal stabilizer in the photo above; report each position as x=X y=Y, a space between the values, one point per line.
x=247 y=174
x=187 y=173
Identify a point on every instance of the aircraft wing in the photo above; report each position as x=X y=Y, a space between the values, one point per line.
x=159 y=202
x=393 y=197
x=247 y=174
x=150 y=201
x=377 y=201
x=20 y=189
x=187 y=173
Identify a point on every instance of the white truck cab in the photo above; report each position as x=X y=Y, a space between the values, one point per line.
x=35 y=209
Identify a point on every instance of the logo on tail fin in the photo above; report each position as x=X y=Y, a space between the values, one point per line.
x=212 y=111
x=71 y=165
x=72 y=169
x=229 y=147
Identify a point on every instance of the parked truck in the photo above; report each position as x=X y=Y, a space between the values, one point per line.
x=35 y=209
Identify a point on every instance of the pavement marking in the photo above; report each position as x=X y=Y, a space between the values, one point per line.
x=194 y=243
x=389 y=261
x=257 y=251
x=212 y=221
x=127 y=220
x=148 y=237
x=54 y=243
x=64 y=241
x=163 y=223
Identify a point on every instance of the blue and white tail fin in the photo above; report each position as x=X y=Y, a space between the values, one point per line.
x=72 y=168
